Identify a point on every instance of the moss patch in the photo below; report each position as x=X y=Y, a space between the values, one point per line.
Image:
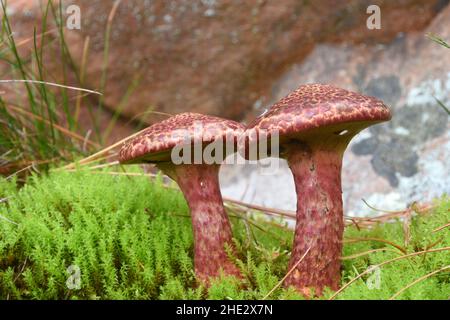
x=131 y=238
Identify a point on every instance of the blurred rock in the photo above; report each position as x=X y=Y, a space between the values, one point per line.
x=393 y=164
x=219 y=56
x=213 y=56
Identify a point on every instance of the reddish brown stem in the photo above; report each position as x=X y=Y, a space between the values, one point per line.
x=320 y=223
x=212 y=230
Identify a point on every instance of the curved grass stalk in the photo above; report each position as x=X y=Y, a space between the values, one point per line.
x=50 y=84
x=399 y=247
x=287 y=274
x=384 y=263
x=361 y=254
x=441 y=227
x=418 y=280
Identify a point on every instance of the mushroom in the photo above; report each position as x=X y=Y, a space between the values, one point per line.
x=314 y=125
x=172 y=140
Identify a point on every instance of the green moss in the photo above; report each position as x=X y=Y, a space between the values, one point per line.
x=131 y=238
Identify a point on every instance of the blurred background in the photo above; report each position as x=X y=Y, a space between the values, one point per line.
x=230 y=58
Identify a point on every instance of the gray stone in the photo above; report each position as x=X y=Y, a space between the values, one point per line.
x=390 y=165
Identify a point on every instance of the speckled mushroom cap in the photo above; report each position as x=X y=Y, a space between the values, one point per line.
x=314 y=106
x=155 y=143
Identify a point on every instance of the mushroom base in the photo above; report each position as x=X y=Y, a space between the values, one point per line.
x=320 y=223
x=212 y=230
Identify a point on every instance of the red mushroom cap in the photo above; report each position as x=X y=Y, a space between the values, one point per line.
x=314 y=106
x=156 y=142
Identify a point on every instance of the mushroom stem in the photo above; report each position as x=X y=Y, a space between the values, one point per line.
x=320 y=223
x=212 y=230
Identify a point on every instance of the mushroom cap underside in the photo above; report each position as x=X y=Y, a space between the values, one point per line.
x=332 y=137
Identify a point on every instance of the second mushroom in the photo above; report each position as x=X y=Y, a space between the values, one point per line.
x=197 y=179
x=314 y=125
